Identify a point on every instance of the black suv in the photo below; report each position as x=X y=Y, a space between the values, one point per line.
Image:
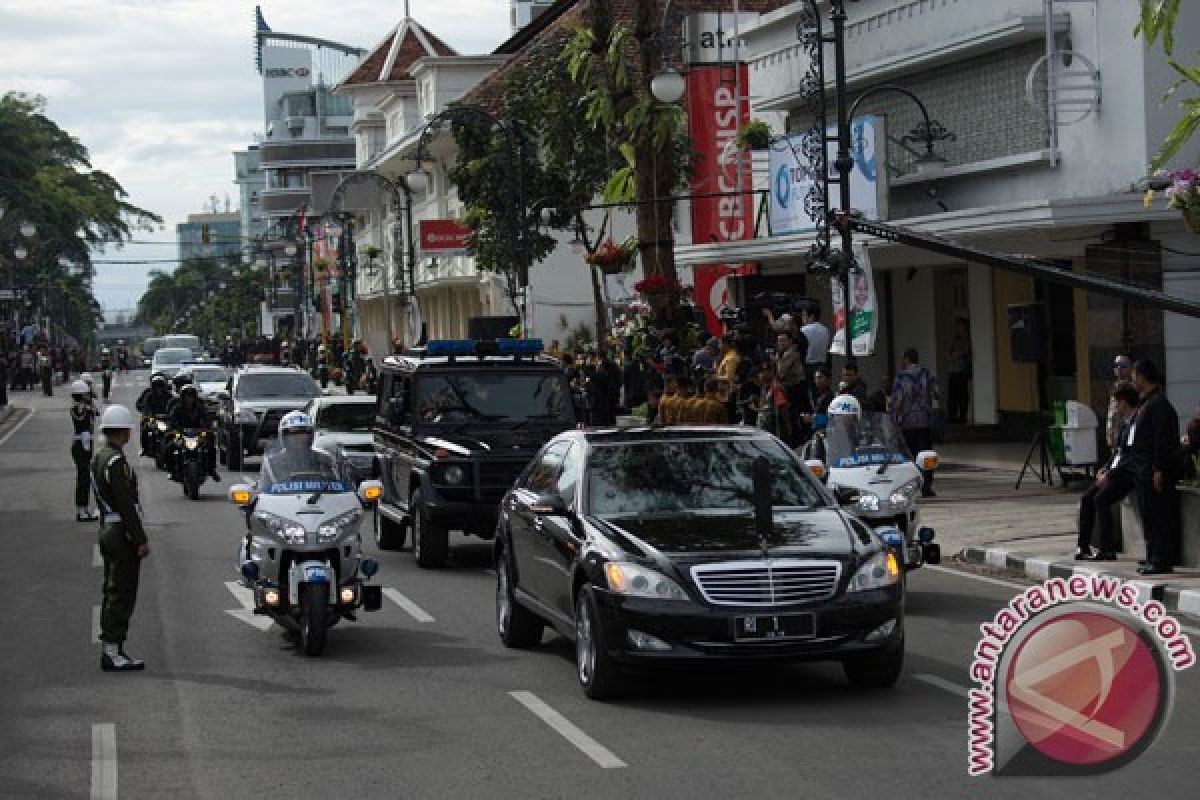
x=456 y=423
x=252 y=404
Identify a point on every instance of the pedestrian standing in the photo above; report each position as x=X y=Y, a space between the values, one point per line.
x=123 y=541
x=1122 y=373
x=1154 y=449
x=912 y=407
x=46 y=373
x=1114 y=481
x=25 y=376
x=958 y=377
x=817 y=355
x=83 y=422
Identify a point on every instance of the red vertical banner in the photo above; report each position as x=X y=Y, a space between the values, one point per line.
x=722 y=202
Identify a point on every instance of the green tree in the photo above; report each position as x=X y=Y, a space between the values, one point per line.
x=46 y=179
x=1157 y=21
x=190 y=300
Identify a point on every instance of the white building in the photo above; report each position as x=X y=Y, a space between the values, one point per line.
x=251 y=181
x=1023 y=176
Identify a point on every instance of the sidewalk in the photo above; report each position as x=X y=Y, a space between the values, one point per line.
x=981 y=519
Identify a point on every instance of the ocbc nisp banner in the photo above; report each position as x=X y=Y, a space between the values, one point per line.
x=722 y=202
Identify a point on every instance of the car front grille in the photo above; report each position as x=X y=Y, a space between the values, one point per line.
x=768 y=582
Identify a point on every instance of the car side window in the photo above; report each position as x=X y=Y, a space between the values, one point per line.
x=385 y=392
x=399 y=400
x=568 y=478
x=543 y=475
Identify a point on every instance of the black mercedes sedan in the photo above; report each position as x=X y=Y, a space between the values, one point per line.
x=657 y=546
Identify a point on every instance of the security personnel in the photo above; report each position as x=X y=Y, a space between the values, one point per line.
x=154 y=401
x=106 y=371
x=122 y=538
x=189 y=414
x=83 y=419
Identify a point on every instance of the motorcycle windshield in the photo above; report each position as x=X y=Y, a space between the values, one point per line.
x=292 y=470
x=873 y=438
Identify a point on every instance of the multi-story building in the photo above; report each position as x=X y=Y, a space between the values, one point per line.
x=1044 y=165
x=523 y=12
x=251 y=181
x=210 y=235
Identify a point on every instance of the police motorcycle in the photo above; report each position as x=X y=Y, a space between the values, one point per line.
x=863 y=459
x=195 y=454
x=302 y=554
x=154 y=425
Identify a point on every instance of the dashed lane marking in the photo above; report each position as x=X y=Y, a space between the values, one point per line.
x=104 y=761
x=97 y=559
x=411 y=608
x=943 y=684
x=568 y=730
x=95 y=624
x=17 y=426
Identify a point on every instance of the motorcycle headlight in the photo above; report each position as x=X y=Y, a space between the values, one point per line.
x=869 y=502
x=291 y=532
x=334 y=528
x=191 y=443
x=454 y=474
x=162 y=426
x=903 y=496
x=633 y=580
x=881 y=570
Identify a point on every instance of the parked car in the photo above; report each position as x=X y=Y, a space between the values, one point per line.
x=456 y=423
x=343 y=432
x=660 y=546
x=252 y=405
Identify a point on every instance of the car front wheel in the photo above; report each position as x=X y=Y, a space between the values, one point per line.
x=599 y=677
x=517 y=626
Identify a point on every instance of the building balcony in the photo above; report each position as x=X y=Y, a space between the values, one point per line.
x=300 y=153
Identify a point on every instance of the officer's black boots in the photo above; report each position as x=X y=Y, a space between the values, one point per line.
x=114 y=659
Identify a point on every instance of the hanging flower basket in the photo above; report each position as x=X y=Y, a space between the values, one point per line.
x=754 y=135
x=612 y=258
x=1183 y=194
x=657 y=285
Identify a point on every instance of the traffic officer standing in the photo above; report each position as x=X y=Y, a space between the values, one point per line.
x=83 y=418
x=122 y=538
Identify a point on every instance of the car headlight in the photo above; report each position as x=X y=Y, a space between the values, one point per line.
x=245 y=416
x=332 y=529
x=868 y=501
x=881 y=570
x=903 y=496
x=454 y=474
x=162 y=426
x=633 y=580
x=291 y=532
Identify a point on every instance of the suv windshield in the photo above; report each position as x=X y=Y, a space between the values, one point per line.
x=492 y=397
x=172 y=355
x=697 y=475
x=873 y=438
x=208 y=375
x=276 y=384
x=346 y=417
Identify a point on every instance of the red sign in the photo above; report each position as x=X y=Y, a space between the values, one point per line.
x=722 y=204
x=443 y=237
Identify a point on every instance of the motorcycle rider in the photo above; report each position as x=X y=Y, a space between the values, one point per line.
x=154 y=401
x=87 y=378
x=294 y=452
x=188 y=413
x=83 y=420
x=106 y=371
x=122 y=356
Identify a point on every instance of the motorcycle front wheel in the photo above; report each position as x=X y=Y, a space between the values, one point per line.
x=314 y=604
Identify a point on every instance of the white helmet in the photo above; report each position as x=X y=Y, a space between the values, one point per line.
x=80 y=387
x=296 y=429
x=845 y=405
x=116 y=417
x=104 y=350
x=88 y=379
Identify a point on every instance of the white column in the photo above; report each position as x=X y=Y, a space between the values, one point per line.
x=981 y=305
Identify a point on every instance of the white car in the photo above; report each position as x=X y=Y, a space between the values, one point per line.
x=208 y=379
x=343 y=430
x=169 y=360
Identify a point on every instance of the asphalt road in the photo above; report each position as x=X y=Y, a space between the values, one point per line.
x=421 y=701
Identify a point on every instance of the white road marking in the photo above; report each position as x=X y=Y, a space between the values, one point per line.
x=104 y=761
x=567 y=729
x=246 y=613
x=17 y=427
x=95 y=624
x=942 y=683
x=97 y=559
x=973 y=576
x=411 y=608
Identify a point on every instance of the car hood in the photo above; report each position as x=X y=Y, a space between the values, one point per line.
x=207 y=387
x=494 y=443
x=271 y=403
x=331 y=441
x=822 y=531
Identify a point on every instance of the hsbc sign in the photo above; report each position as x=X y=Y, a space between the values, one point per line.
x=442 y=237
x=287 y=72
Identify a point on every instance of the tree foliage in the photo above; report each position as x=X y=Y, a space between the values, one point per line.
x=47 y=179
x=1157 y=21
x=190 y=299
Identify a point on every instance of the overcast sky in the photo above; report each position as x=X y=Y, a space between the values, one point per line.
x=162 y=91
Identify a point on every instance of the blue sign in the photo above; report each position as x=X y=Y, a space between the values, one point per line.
x=299 y=487
x=868 y=459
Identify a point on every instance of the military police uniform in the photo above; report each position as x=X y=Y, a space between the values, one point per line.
x=121 y=536
x=83 y=419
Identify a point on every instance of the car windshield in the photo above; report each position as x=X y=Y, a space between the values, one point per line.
x=183 y=340
x=209 y=375
x=499 y=397
x=172 y=355
x=691 y=476
x=290 y=470
x=276 y=384
x=346 y=417
x=873 y=438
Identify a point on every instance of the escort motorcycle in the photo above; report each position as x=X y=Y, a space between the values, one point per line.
x=195 y=453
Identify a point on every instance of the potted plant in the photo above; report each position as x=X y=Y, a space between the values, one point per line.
x=1183 y=194
x=657 y=284
x=611 y=258
x=371 y=251
x=754 y=135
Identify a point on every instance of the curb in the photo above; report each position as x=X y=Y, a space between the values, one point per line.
x=1040 y=569
x=6 y=411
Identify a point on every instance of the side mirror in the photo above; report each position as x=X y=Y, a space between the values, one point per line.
x=927 y=460
x=817 y=467
x=241 y=494
x=846 y=495
x=370 y=491
x=549 y=505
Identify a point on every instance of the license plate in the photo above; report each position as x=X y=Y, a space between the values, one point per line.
x=775 y=627
x=316 y=575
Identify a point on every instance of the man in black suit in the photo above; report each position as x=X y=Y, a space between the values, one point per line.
x=1153 y=442
x=1112 y=482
